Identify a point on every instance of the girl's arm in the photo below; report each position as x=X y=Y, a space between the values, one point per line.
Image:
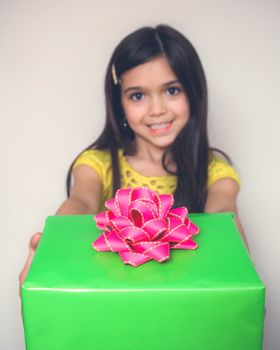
x=221 y=197
x=85 y=194
x=84 y=199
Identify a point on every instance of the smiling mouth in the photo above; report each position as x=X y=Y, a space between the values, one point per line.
x=160 y=126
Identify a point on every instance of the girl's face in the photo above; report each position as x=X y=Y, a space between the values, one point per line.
x=155 y=104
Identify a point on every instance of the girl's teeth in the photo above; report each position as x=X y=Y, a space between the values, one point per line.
x=159 y=126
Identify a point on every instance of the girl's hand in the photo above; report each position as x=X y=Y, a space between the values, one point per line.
x=32 y=247
x=222 y=197
x=84 y=199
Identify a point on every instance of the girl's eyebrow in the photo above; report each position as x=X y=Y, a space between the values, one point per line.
x=171 y=82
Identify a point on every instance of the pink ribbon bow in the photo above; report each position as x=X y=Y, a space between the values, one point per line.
x=140 y=225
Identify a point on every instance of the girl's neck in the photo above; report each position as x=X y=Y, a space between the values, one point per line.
x=148 y=152
x=148 y=160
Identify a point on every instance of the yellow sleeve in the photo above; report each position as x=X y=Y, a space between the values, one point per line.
x=220 y=169
x=99 y=160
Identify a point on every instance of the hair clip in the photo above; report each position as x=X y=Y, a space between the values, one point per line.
x=114 y=75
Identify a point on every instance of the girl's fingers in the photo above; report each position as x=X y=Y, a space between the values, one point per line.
x=32 y=247
x=34 y=241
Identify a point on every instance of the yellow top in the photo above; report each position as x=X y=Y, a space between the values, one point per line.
x=100 y=161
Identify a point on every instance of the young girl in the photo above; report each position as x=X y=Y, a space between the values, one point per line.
x=155 y=133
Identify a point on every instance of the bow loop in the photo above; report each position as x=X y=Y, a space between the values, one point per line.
x=164 y=203
x=177 y=231
x=157 y=250
x=133 y=234
x=103 y=219
x=142 y=193
x=180 y=213
x=141 y=211
x=123 y=199
x=154 y=227
x=110 y=204
x=120 y=222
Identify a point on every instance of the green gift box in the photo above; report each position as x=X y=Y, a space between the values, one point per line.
x=76 y=298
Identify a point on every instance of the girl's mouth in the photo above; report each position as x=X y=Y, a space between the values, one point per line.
x=160 y=128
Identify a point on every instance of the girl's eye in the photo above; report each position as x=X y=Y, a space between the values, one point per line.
x=173 y=90
x=136 y=96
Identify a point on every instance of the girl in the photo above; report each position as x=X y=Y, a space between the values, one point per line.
x=155 y=133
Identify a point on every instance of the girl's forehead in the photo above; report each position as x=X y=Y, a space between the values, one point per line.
x=156 y=71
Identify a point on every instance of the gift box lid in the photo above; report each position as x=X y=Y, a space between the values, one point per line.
x=65 y=260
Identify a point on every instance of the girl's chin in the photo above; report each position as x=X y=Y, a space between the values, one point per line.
x=163 y=143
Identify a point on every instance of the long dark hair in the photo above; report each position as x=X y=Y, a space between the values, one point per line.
x=190 y=151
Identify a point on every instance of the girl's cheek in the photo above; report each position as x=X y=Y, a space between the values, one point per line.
x=182 y=106
x=136 y=108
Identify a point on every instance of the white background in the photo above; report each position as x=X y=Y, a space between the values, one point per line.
x=53 y=56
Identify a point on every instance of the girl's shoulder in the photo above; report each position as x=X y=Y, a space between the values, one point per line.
x=98 y=159
x=219 y=169
x=94 y=155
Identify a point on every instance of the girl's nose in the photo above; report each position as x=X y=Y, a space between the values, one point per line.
x=157 y=106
